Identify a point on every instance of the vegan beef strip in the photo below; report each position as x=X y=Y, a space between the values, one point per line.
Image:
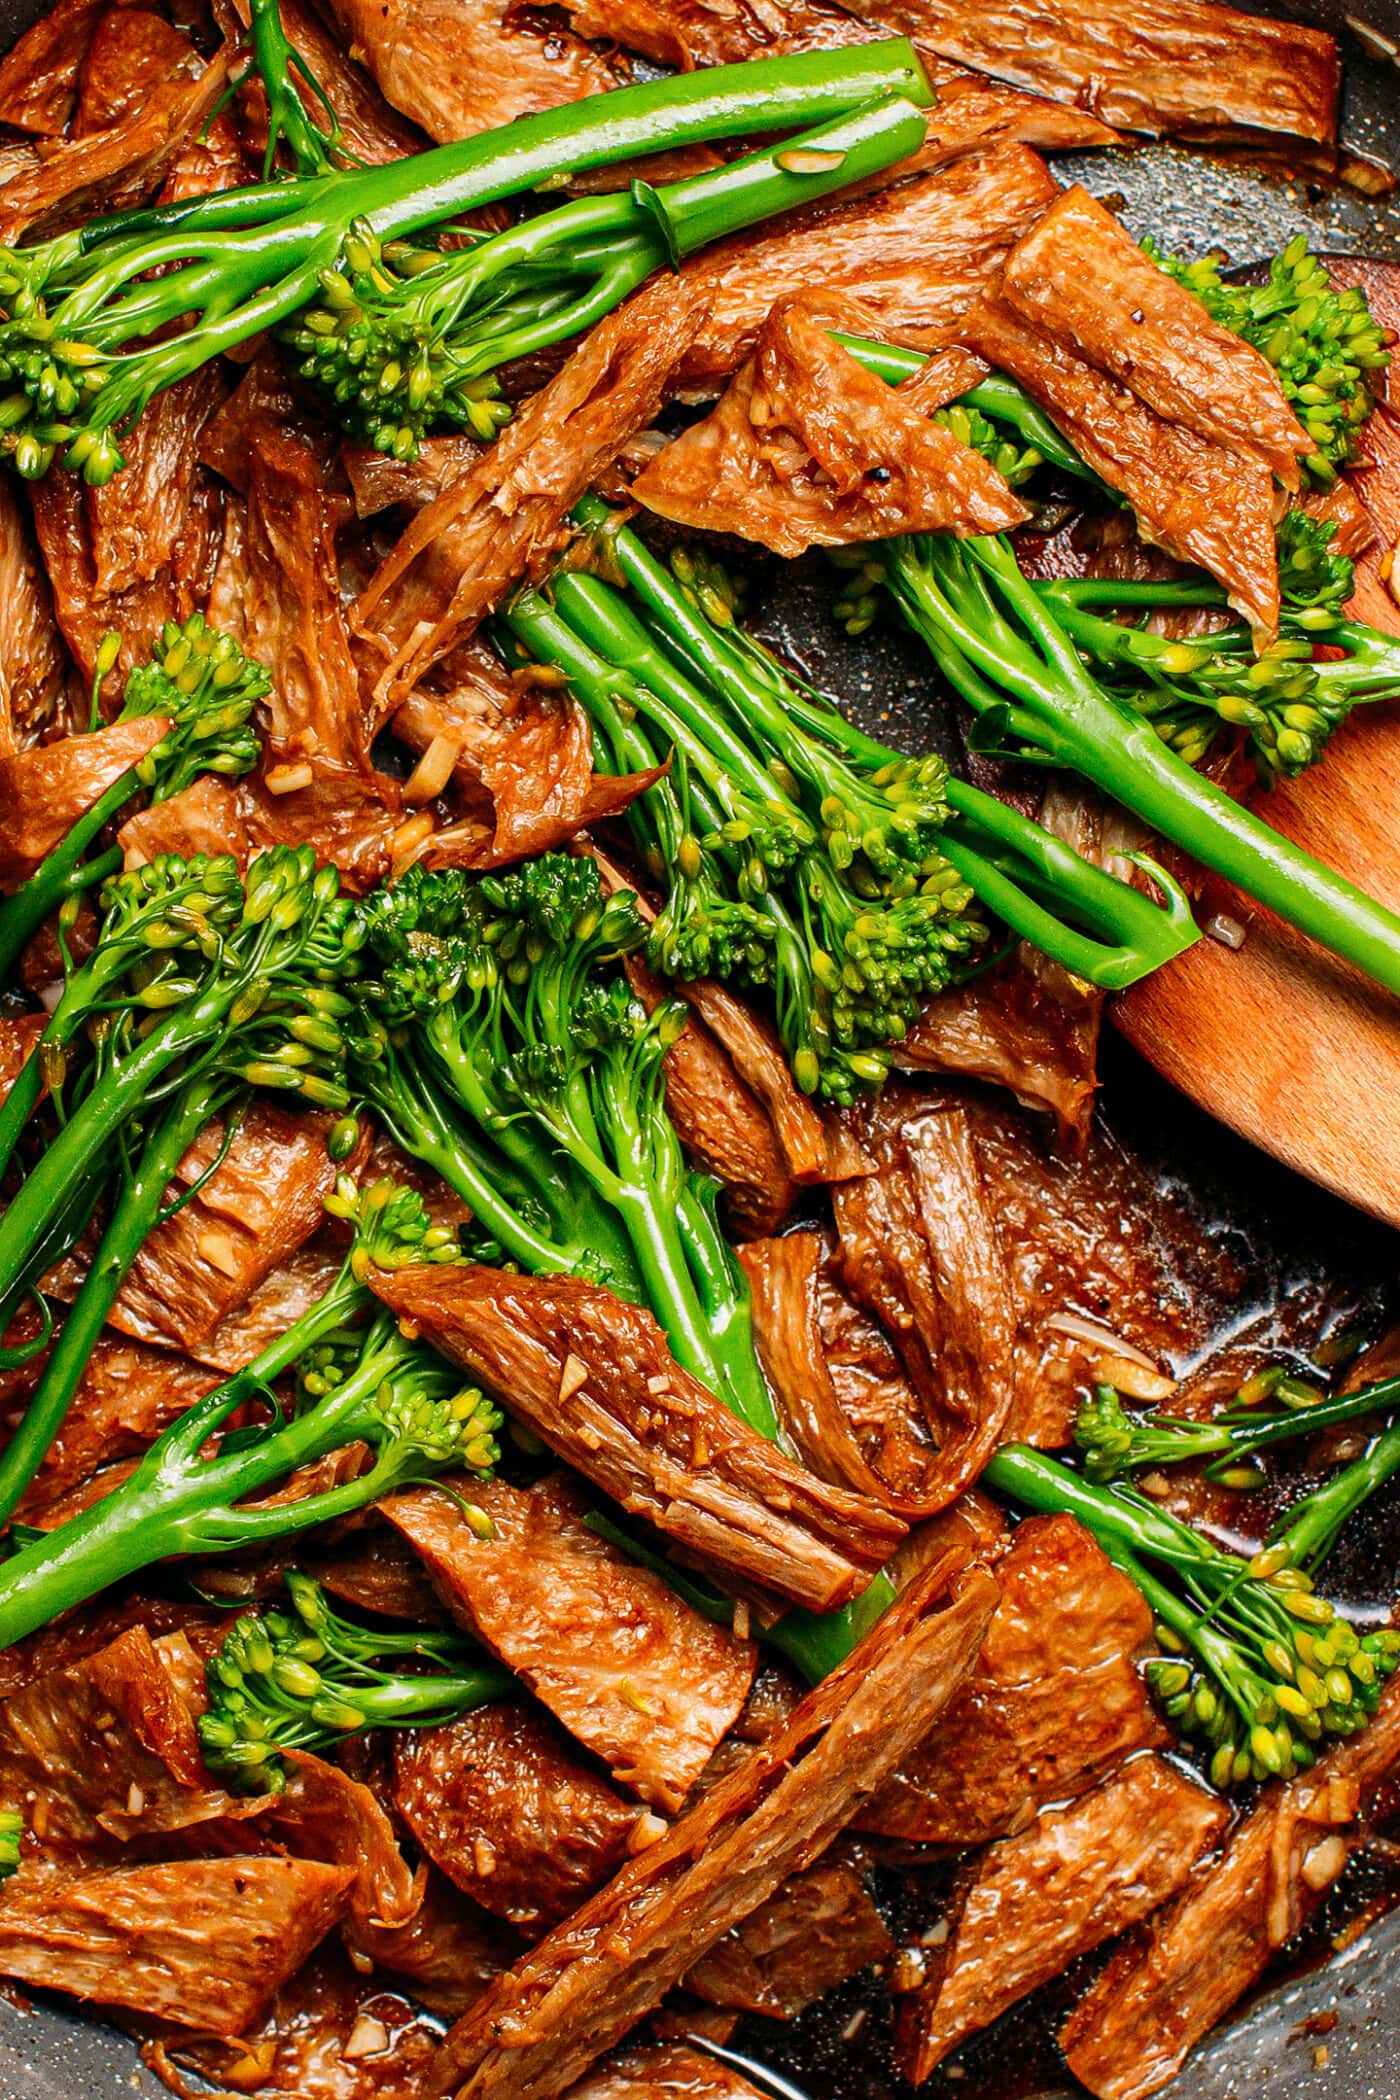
x=917 y=254
x=502 y=521
x=1025 y=1908
x=1054 y=1701
x=1191 y=496
x=806 y=449
x=1081 y=277
x=593 y=1377
x=1186 y=68
x=457 y=67
x=511 y=1813
x=537 y=2030
x=630 y=1669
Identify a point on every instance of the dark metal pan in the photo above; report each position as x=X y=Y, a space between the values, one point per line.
x=1288 y=2045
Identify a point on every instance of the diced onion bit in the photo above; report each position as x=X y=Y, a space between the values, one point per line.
x=1324 y=1863
x=1227 y=931
x=285 y=780
x=808 y=160
x=410 y=836
x=220 y=1252
x=433 y=770
x=368 y=2037
x=573 y=1376
x=647 y=1831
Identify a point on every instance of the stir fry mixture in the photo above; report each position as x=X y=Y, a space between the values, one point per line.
x=584 y=1388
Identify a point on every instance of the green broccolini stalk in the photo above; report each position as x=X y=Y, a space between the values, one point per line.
x=359 y=1381
x=408 y=339
x=313 y=143
x=85 y=334
x=1324 y=344
x=500 y=1011
x=1259 y=1667
x=208 y=688
x=1190 y=689
x=1115 y=1443
x=305 y=1679
x=797 y=855
x=999 y=642
x=11 y=1838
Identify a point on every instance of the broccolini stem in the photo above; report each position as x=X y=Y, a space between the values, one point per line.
x=952 y=597
x=63 y=873
x=1115 y=1442
x=135 y=1213
x=1308 y=1531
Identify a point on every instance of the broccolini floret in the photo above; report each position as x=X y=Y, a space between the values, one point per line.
x=307 y=1678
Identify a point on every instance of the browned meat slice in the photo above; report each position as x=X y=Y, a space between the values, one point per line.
x=378 y=1572
x=1191 y=496
x=808 y=449
x=1078 y=1876
x=117 y=167
x=201 y=1942
x=461 y=66
x=44 y=790
x=537 y=2030
x=817 y=1145
x=1017 y=1028
x=1186 y=67
x=278 y=588
x=105 y=1747
x=141 y=550
x=128 y=1393
x=818 y=1930
x=632 y=1671
x=324 y=1814
x=34 y=672
x=508 y=1811
x=1080 y=277
x=503 y=520
x=274 y=1305
x=1161 y=1994
x=731 y=1096
x=920 y=1251
x=536 y=771
x=259 y=1205
x=675 y=2071
x=1111 y=1278
x=130 y=56
x=1055 y=1698
x=725 y=1130
x=1108 y=1278
x=447 y=1953
x=369 y=129
x=39 y=73
x=917 y=254
x=379 y=482
x=786 y=1279
x=594 y=1378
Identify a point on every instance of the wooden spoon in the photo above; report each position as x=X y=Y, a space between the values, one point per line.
x=1290 y=1047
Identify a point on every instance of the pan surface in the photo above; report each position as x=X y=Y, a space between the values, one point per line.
x=1329 y=2031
